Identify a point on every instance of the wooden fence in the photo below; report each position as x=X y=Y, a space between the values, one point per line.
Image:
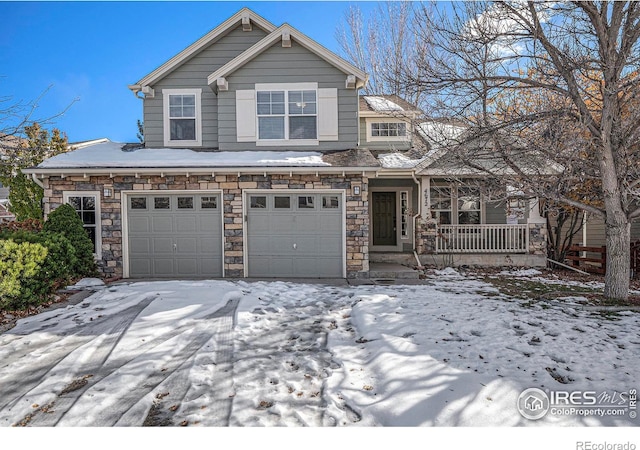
x=594 y=259
x=588 y=259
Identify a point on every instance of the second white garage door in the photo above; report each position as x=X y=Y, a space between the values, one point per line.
x=295 y=234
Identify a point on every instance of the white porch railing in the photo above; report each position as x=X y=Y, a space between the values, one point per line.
x=482 y=239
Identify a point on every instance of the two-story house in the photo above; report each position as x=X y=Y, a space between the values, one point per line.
x=261 y=159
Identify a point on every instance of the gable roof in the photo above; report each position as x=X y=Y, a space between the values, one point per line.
x=300 y=38
x=203 y=42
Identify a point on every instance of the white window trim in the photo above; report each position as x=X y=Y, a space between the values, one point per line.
x=371 y=138
x=455 y=209
x=166 y=119
x=65 y=197
x=286 y=87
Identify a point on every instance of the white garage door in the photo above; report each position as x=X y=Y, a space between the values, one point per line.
x=295 y=234
x=174 y=235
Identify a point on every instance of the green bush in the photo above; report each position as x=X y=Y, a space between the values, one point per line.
x=19 y=265
x=55 y=270
x=65 y=220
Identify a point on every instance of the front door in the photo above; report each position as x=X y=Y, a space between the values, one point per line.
x=384 y=218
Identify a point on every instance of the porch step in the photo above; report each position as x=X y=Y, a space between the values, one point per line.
x=391 y=271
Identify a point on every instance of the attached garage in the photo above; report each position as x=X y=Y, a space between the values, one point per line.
x=295 y=234
x=174 y=235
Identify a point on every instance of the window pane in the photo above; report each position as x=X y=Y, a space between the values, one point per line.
x=302 y=128
x=183 y=129
x=89 y=218
x=330 y=202
x=282 y=202
x=188 y=100
x=444 y=217
x=175 y=100
x=138 y=203
x=469 y=218
x=258 y=202
x=185 y=202
x=89 y=203
x=209 y=202
x=271 y=128
x=175 y=111
x=305 y=202
x=161 y=203
x=189 y=111
x=76 y=202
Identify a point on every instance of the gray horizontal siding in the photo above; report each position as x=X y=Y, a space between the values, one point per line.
x=596 y=232
x=193 y=74
x=288 y=65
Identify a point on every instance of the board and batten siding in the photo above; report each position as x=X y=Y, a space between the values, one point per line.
x=288 y=65
x=193 y=74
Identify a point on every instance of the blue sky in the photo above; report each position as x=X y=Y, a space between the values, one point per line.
x=91 y=51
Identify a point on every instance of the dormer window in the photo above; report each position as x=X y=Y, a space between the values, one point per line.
x=182 y=117
x=386 y=129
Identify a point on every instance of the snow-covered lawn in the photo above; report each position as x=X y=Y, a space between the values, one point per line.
x=452 y=351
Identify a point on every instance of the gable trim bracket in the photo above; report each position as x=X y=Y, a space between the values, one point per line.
x=222 y=84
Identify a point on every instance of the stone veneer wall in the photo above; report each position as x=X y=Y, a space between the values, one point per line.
x=357 y=218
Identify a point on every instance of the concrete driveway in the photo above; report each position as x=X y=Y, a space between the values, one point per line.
x=166 y=353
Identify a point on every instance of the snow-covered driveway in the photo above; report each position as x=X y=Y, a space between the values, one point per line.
x=451 y=351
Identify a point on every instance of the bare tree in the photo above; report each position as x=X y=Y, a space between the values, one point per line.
x=382 y=44
x=548 y=90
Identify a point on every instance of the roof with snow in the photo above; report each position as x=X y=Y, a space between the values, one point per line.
x=107 y=154
x=385 y=104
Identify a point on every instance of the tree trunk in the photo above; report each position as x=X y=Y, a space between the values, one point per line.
x=618 y=234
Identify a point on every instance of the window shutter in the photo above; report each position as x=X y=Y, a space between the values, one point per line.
x=328 y=114
x=246 y=116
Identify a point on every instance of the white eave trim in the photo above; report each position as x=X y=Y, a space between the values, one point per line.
x=231 y=22
x=300 y=38
x=116 y=171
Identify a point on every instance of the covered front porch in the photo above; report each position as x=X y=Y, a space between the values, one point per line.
x=437 y=221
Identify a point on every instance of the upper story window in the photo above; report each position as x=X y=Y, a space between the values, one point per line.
x=380 y=129
x=287 y=114
x=182 y=117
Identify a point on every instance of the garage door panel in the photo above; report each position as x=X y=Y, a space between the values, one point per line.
x=330 y=246
x=162 y=245
x=162 y=224
x=187 y=246
x=163 y=267
x=140 y=266
x=209 y=245
x=140 y=224
x=140 y=245
x=186 y=267
x=186 y=224
x=207 y=224
x=175 y=242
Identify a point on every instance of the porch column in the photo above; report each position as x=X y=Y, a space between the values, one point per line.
x=537 y=229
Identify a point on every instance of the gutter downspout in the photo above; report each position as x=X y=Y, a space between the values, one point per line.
x=415 y=217
x=36 y=181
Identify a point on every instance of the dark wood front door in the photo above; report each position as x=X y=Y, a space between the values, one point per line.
x=384 y=218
